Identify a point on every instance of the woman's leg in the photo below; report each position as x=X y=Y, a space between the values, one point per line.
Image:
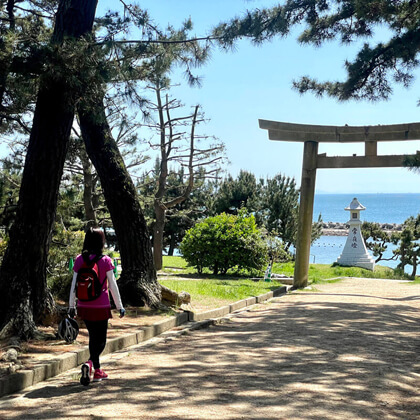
x=97 y=339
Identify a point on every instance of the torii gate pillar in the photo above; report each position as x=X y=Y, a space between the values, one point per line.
x=306 y=208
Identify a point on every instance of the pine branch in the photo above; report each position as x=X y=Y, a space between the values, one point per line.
x=35 y=13
x=157 y=41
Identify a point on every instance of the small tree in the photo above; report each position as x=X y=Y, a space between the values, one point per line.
x=380 y=239
x=179 y=144
x=278 y=209
x=234 y=194
x=223 y=242
x=408 y=244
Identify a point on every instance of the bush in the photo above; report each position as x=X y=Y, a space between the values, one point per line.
x=3 y=245
x=276 y=249
x=65 y=245
x=223 y=242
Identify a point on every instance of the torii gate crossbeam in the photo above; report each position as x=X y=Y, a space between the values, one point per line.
x=311 y=136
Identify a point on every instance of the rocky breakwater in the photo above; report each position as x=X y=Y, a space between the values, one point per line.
x=342 y=229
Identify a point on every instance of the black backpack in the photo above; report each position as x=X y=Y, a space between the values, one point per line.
x=88 y=285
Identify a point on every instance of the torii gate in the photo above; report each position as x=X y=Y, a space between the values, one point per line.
x=312 y=135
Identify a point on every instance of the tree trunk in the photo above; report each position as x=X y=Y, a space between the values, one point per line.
x=402 y=259
x=414 y=272
x=137 y=283
x=23 y=288
x=172 y=245
x=166 y=147
x=88 y=190
x=158 y=227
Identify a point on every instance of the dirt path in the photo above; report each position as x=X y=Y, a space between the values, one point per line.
x=351 y=350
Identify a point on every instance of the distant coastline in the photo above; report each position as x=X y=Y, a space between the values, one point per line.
x=385 y=209
x=341 y=229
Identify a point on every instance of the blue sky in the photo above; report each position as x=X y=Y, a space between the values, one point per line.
x=255 y=83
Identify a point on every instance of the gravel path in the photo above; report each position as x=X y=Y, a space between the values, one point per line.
x=349 y=350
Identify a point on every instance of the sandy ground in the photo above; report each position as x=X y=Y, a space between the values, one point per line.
x=349 y=350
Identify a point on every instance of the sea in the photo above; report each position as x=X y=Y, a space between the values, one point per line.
x=380 y=208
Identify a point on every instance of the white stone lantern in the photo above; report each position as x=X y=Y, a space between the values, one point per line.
x=355 y=253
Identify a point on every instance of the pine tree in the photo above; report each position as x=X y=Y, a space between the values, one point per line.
x=233 y=194
x=138 y=284
x=377 y=65
x=378 y=239
x=23 y=290
x=178 y=143
x=56 y=73
x=408 y=249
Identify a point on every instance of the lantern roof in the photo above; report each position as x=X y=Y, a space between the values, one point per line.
x=355 y=205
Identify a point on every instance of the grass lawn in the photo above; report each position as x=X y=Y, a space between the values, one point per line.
x=324 y=272
x=208 y=289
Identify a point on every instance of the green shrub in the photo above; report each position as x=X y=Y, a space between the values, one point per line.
x=65 y=245
x=224 y=242
x=276 y=248
x=3 y=245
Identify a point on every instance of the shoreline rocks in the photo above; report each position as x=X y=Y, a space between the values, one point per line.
x=341 y=229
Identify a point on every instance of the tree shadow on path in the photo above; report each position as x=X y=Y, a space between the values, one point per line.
x=301 y=357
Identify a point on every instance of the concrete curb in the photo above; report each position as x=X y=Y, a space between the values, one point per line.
x=47 y=369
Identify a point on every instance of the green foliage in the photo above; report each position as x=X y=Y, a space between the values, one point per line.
x=393 y=57
x=10 y=178
x=260 y=25
x=226 y=290
x=317 y=272
x=70 y=211
x=223 y=242
x=412 y=163
x=234 y=194
x=316 y=229
x=23 y=36
x=279 y=207
x=324 y=272
x=65 y=245
x=184 y=215
x=273 y=201
x=276 y=248
x=408 y=244
x=3 y=247
x=371 y=74
x=380 y=239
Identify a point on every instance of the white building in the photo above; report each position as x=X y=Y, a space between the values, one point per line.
x=355 y=253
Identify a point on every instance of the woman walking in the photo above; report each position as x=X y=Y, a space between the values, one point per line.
x=94 y=311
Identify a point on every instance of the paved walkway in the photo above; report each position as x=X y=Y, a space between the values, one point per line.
x=350 y=350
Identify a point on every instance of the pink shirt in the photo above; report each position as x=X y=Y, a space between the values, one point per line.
x=105 y=264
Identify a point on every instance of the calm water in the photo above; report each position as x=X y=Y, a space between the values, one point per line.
x=381 y=208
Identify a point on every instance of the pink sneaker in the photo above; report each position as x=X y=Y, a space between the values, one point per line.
x=99 y=375
x=86 y=373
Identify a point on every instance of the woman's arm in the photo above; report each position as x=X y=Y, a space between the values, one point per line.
x=72 y=297
x=113 y=287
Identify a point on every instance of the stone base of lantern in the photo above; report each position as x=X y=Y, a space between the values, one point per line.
x=365 y=261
